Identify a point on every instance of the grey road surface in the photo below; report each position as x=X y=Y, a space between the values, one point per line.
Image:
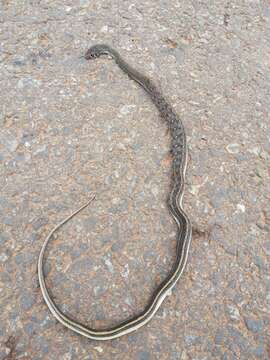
x=69 y=127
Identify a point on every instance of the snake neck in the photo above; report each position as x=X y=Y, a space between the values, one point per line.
x=158 y=99
x=165 y=109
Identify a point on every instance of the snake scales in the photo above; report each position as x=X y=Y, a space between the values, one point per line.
x=179 y=153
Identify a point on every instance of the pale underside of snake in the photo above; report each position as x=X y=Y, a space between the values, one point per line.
x=179 y=153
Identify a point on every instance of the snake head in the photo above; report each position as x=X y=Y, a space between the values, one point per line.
x=96 y=50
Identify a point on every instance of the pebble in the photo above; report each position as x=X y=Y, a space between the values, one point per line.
x=233 y=312
x=155 y=190
x=84 y=3
x=89 y=223
x=99 y=290
x=258 y=261
x=218 y=197
x=42 y=345
x=192 y=340
x=4 y=237
x=117 y=246
x=143 y=355
x=109 y=265
x=119 y=206
x=256 y=150
x=66 y=356
x=254 y=325
x=266 y=247
x=266 y=11
x=233 y=148
x=194 y=189
x=241 y=208
x=98 y=348
x=179 y=55
x=104 y=29
x=184 y=355
x=106 y=238
x=4 y=352
x=29 y=328
x=38 y=223
x=259 y=352
x=219 y=337
x=27 y=301
x=217 y=234
x=20 y=61
x=82 y=266
x=9 y=142
x=126 y=109
x=236 y=339
x=41 y=151
x=5 y=203
x=3 y=257
x=27 y=83
x=125 y=272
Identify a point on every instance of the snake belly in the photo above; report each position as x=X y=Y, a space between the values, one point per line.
x=179 y=154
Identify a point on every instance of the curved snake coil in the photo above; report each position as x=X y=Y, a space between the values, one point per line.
x=179 y=152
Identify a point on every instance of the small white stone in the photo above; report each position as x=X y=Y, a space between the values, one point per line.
x=7 y=351
x=66 y=356
x=121 y=146
x=3 y=257
x=256 y=150
x=41 y=149
x=98 y=348
x=184 y=356
x=20 y=84
x=233 y=312
x=233 y=148
x=104 y=29
x=155 y=190
x=116 y=174
x=126 y=109
x=125 y=273
x=268 y=298
x=84 y=3
x=115 y=201
x=109 y=265
x=264 y=155
x=128 y=301
x=12 y=145
x=194 y=189
x=27 y=157
x=241 y=208
x=96 y=290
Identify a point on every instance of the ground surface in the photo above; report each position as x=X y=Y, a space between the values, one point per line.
x=69 y=127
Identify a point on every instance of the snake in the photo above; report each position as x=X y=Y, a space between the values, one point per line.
x=179 y=154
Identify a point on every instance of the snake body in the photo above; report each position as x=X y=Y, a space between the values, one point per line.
x=179 y=153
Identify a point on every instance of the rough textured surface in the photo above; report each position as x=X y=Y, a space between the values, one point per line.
x=69 y=127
